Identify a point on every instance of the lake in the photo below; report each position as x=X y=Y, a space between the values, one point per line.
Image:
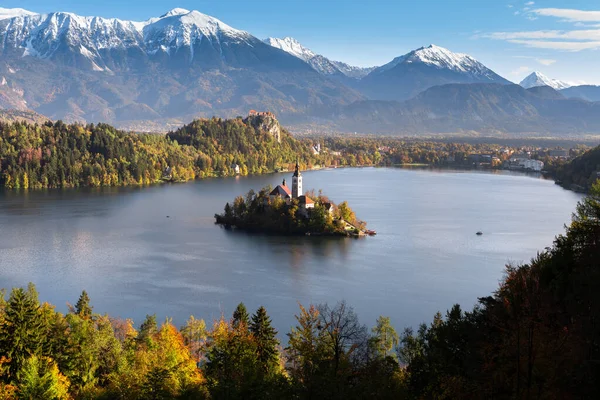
x=119 y=245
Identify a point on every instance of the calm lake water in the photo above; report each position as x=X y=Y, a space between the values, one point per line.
x=119 y=246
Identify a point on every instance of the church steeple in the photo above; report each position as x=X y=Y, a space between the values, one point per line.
x=297 y=182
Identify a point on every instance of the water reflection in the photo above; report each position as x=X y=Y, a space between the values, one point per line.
x=299 y=247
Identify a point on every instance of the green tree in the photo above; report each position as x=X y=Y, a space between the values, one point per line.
x=148 y=328
x=83 y=360
x=241 y=319
x=266 y=340
x=39 y=378
x=83 y=307
x=385 y=338
x=346 y=213
x=23 y=331
x=307 y=351
x=232 y=368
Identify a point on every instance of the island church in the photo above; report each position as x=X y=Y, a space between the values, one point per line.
x=283 y=191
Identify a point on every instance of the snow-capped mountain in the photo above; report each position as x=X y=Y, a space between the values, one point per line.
x=291 y=46
x=442 y=58
x=48 y=35
x=13 y=12
x=320 y=63
x=538 y=79
x=420 y=69
x=183 y=64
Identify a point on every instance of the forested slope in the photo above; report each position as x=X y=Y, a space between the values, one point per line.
x=55 y=155
x=582 y=171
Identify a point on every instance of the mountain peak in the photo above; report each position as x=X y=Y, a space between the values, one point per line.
x=175 y=11
x=291 y=46
x=536 y=78
x=6 y=13
x=438 y=57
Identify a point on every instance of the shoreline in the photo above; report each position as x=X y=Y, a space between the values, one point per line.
x=3 y=189
x=248 y=230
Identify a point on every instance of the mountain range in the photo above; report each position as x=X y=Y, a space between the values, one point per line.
x=320 y=63
x=163 y=72
x=488 y=109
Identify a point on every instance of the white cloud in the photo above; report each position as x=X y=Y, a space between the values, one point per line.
x=584 y=25
x=543 y=61
x=520 y=71
x=554 y=45
x=583 y=35
x=566 y=40
x=510 y=6
x=569 y=14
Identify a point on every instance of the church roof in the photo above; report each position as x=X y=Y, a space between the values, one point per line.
x=305 y=200
x=281 y=190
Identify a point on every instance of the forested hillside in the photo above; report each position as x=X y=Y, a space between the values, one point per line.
x=58 y=155
x=581 y=172
x=536 y=337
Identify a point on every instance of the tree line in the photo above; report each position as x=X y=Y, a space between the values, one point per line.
x=536 y=337
x=581 y=172
x=58 y=155
x=47 y=355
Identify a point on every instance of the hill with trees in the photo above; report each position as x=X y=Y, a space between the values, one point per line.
x=57 y=155
x=581 y=172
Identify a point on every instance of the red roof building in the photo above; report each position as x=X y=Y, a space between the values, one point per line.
x=282 y=191
x=306 y=202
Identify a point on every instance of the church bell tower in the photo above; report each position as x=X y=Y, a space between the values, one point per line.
x=297 y=183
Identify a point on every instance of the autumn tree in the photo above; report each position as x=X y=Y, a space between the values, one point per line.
x=39 y=378
x=307 y=351
x=385 y=339
x=232 y=368
x=194 y=334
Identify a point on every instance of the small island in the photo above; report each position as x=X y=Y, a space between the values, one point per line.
x=292 y=212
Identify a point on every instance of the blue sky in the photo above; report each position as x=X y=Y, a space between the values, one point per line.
x=559 y=38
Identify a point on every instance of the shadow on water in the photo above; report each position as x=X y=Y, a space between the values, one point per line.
x=81 y=201
x=299 y=247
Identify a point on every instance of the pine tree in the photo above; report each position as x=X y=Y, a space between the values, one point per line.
x=23 y=331
x=40 y=378
x=385 y=338
x=148 y=328
x=241 y=319
x=83 y=308
x=266 y=340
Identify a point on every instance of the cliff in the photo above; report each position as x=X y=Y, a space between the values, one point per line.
x=265 y=121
